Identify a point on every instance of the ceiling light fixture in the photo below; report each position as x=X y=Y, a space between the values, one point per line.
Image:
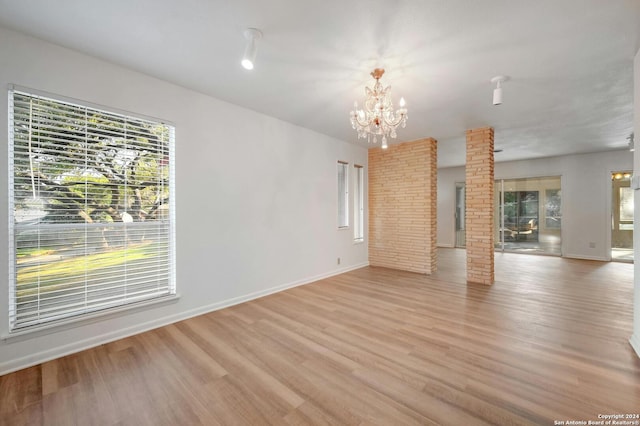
x=497 y=92
x=249 y=57
x=377 y=118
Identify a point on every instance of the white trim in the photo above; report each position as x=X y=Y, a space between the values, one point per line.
x=347 y=195
x=84 y=319
x=635 y=343
x=538 y=176
x=358 y=200
x=11 y=248
x=446 y=245
x=85 y=104
x=563 y=208
x=48 y=355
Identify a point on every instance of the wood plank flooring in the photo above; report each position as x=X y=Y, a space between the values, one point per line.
x=548 y=342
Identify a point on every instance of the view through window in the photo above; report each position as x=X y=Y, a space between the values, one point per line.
x=91 y=213
x=528 y=215
x=343 y=194
x=621 y=216
x=358 y=203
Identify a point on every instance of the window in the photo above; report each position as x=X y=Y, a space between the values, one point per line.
x=91 y=210
x=626 y=207
x=343 y=194
x=528 y=215
x=358 y=204
x=553 y=211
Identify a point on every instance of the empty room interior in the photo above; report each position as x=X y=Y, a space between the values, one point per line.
x=291 y=213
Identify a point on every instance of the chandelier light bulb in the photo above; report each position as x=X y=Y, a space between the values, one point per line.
x=402 y=103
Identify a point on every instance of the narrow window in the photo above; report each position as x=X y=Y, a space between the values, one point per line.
x=91 y=214
x=343 y=194
x=358 y=204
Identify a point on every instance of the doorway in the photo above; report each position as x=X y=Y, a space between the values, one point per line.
x=621 y=217
x=528 y=215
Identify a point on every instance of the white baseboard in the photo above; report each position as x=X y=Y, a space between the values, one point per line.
x=583 y=257
x=635 y=343
x=60 y=351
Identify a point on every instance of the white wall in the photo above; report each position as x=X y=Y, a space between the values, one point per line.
x=586 y=197
x=256 y=197
x=635 y=338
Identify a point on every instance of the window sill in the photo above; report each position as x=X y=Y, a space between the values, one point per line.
x=78 y=321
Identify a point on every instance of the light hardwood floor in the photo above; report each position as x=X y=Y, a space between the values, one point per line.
x=548 y=341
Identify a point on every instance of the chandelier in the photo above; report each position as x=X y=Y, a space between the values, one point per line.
x=377 y=118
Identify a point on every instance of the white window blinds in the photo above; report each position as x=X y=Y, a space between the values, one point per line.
x=91 y=210
x=358 y=204
x=343 y=194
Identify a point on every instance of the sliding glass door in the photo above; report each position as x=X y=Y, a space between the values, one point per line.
x=621 y=217
x=528 y=215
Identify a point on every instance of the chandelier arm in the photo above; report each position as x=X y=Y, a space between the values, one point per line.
x=394 y=123
x=360 y=123
x=378 y=117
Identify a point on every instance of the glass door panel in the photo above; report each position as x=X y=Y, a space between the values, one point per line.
x=529 y=215
x=621 y=217
x=461 y=240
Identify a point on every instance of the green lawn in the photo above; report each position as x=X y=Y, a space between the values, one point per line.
x=63 y=273
x=33 y=252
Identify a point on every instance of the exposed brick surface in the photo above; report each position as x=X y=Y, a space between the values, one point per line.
x=403 y=205
x=479 y=206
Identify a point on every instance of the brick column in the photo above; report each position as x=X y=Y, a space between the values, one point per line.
x=403 y=205
x=432 y=205
x=479 y=206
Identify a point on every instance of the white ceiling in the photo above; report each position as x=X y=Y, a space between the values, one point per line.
x=570 y=61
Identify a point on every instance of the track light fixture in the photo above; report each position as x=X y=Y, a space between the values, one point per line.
x=631 y=145
x=497 y=92
x=249 y=57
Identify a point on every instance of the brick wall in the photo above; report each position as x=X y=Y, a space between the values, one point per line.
x=479 y=206
x=403 y=205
